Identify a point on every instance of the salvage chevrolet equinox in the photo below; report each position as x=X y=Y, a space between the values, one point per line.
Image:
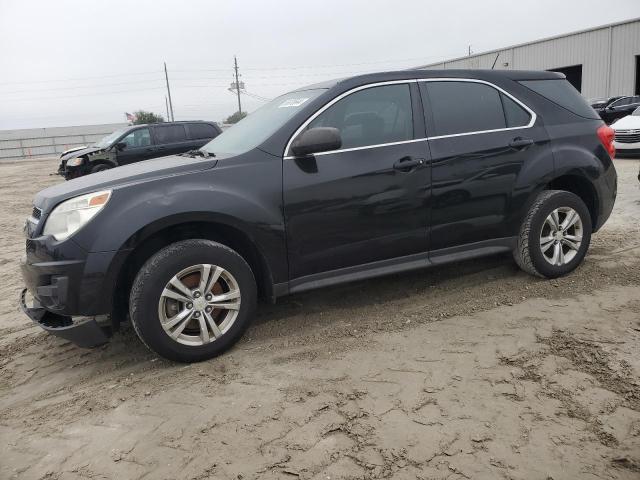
x=335 y=182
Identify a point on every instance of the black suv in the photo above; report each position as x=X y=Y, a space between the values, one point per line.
x=132 y=144
x=619 y=108
x=340 y=181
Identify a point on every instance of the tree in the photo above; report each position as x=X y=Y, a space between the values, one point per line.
x=236 y=117
x=147 y=117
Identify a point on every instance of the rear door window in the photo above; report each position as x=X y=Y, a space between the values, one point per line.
x=463 y=107
x=170 y=134
x=514 y=114
x=201 y=131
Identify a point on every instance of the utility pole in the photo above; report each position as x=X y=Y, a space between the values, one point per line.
x=166 y=77
x=469 y=50
x=166 y=105
x=235 y=61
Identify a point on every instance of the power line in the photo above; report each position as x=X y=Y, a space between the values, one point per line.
x=226 y=69
x=84 y=86
x=81 y=78
x=257 y=97
x=81 y=95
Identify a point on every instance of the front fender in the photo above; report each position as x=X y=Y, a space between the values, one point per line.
x=227 y=195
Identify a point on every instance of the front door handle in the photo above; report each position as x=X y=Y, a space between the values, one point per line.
x=520 y=142
x=407 y=164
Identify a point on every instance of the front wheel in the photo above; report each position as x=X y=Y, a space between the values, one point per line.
x=555 y=235
x=100 y=167
x=193 y=300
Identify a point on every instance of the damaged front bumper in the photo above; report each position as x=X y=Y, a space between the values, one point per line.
x=85 y=332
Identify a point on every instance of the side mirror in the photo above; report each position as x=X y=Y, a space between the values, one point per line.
x=316 y=140
x=121 y=146
x=611 y=107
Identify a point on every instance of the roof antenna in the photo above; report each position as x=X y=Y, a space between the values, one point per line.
x=494 y=62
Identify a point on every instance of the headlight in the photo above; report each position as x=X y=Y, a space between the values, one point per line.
x=74 y=162
x=73 y=214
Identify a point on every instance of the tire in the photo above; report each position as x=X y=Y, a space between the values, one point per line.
x=537 y=230
x=100 y=168
x=151 y=306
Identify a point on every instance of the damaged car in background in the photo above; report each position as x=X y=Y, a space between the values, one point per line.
x=136 y=143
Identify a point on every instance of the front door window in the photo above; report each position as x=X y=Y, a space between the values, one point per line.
x=138 y=138
x=373 y=116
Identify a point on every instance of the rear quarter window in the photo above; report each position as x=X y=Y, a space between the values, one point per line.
x=201 y=131
x=562 y=93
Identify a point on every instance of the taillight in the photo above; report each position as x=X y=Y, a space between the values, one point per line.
x=606 y=135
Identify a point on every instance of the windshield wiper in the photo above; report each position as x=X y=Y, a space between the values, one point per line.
x=197 y=153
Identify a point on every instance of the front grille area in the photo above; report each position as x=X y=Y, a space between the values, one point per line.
x=623 y=136
x=31 y=246
x=37 y=213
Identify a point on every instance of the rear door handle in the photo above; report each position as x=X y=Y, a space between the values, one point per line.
x=520 y=142
x=407 y=164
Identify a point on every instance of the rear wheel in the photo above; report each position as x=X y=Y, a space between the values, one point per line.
x=193 y=300
x=555 y=235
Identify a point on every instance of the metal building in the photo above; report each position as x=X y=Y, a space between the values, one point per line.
x=600 y=62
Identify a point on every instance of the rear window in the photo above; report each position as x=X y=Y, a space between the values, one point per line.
x=563 y=94
x=201 y=130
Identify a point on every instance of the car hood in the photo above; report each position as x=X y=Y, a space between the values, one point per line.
x=74 y=149
x=629 y=122
x=77 y=153
x=120 y=177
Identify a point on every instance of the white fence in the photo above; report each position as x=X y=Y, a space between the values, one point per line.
x=47 y=142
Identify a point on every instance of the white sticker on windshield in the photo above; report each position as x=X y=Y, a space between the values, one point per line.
x=292 y=102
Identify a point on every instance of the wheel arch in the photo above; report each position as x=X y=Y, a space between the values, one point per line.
x=580 y=186
x=150 y=239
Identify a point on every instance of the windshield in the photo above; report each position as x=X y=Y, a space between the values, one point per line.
x=256 y=127
x=109 y=139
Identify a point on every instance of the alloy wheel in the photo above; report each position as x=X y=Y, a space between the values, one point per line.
x=561 y=236
x=199 y=304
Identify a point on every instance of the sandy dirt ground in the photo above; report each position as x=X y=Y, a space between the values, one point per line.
x=474 y=370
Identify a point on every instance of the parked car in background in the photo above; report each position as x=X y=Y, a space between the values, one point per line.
x=627 y=139
x=598 y=103
x=619 y=108
x=136 y=143
x=340 y=181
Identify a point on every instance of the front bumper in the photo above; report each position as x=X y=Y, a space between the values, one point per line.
x=85 y=332
x=67 y=280
x=631 y=148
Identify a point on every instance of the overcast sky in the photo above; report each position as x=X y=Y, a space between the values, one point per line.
x=75 y=62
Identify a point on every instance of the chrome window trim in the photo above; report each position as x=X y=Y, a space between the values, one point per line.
x=532 y=114
x=531 y=123
x=366 y=147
